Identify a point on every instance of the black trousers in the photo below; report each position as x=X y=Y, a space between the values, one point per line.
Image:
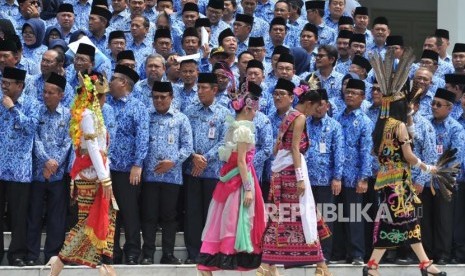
x=371 y=197
x=54 y=196
x=158 y=204
x=127 y=197
x=323 y=197
x=351 y=233
x=199 y=192
x=459 y=223
x=437 y=224
x=16 y=194
x=265 y=186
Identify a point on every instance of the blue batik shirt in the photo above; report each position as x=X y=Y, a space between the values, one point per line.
x=343 y=66
x=216 y=30
x=129 y=147
x=424 y=147
x=449 y=135
x=52 y=141
x=373 y=113
x=9 y=10
x=17 y=126
x=34 y=54
x=357 y=129
x=81 y=12
x=325 y=156
x=120 y=21
x=260 y=28
x=332 y=84
x=186 y=97
x=330 y=23
x=208 y=128
x=263 y=142
x=425 y=104
x=170 y=138
x=151 y=14
x=109 y=121
x=265 y=11
x=143 y=92
x=326 y=35
x=29 y=66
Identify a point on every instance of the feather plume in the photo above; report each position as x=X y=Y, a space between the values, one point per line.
x=446 y=173
x=415 y=96
x=388 y=69
x=402 y=71
x=378 y=67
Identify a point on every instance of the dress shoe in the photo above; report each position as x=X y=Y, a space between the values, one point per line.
x=190 y=262
x=146 y=261
x=18 y=262
x=130 y=260
x=170 y=259
x=404 y=261
x=357 y=261
x=342 y=261
x=32 y=263
x=441 y=261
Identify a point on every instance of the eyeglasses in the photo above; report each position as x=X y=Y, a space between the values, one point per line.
x=37 y=3
x=114 y=78
x=256 y=50
x=438 y=104
x=130 y=65
x=376 y=89
x=78 y=59
x=6 y=83
x=238 y=25
x=28 y=34
x=352 y=92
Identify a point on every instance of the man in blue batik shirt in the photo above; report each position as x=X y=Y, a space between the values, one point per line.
x=187 y=91
x=170 y=144
x=214 y=13
x=336 y=10
x=201 y=170
x=128 y=151
x=456 y=83
x=357 y=129
x=315 y=12
x=437 y=222
x=52 y=147
x=326 y=158
x=18 y=122
x=52 y=61
x=380 y=33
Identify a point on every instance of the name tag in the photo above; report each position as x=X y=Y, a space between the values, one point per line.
x=171 y=138
x=439 y=149
x=211 y=132
x=322 y=147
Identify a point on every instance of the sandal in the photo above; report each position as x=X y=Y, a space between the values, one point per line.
x=371 y=265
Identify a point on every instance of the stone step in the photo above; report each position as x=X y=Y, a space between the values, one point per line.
x=179 y=242
x=179 y=252
x=186 y=270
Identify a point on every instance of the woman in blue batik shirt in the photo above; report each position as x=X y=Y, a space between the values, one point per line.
x=33 y=33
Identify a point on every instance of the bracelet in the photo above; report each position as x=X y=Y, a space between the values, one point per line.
x=247 y=186
x=428 y=169
x=299 y=175
x=106 y=182
x=418 y=164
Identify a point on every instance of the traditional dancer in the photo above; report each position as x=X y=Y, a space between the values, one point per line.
x=293 y=240
x=232 y=236
x=392 y=144
x=90 y=241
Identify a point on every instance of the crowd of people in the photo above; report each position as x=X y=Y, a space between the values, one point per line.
x=216 y=118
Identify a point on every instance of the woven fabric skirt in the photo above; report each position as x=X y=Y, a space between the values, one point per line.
x=284 y=242
x=398 y=224
x=77 y=247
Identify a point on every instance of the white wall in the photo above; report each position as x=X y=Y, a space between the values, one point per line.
x=451 y=17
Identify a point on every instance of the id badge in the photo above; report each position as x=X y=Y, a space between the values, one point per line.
x=439 y=149
x=171 y=139
x=322 y=147
x=211 y=133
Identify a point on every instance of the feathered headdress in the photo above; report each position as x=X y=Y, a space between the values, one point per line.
x=391 y=81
